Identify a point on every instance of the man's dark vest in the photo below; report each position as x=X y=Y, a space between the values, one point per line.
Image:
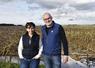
x=51 y=41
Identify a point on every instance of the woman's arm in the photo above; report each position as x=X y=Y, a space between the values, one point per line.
x=40 y=51
x=20 y=48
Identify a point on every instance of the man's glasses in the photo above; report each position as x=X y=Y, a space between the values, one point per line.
x=47 y=18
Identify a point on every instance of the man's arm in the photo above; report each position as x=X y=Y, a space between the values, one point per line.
x=65 y=44
x=64 y=40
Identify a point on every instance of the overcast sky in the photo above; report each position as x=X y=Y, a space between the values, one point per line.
x=63 y=11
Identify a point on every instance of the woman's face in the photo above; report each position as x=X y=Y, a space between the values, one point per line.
x=30 y=29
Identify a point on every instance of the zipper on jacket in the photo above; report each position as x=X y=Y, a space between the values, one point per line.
x=30 y=41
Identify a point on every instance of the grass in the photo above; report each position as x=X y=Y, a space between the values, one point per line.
x=8 y=65
x=12 y=65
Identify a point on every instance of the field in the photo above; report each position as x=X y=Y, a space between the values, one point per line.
x=81 y=39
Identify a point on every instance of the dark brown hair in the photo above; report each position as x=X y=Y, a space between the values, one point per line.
x=30 y=24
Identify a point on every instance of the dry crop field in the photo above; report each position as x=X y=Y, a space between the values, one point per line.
x=81 y=39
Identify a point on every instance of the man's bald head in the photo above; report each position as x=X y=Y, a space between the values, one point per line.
x=46 y=14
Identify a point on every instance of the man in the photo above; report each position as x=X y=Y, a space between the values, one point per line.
x=53 y=36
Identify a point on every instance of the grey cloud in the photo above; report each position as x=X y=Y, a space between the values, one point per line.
x=5 y=1
x=48 y=4
x=45 y=4
x=86 y=6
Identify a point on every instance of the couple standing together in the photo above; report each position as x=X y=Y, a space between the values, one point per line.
x=53 y=36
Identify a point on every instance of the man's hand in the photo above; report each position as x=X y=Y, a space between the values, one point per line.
x=65 y=59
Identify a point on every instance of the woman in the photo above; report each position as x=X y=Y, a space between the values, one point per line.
x=28 y=47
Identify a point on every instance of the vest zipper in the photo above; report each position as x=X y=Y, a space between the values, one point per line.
x=30 y=41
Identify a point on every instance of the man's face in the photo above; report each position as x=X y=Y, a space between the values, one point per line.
x=47 y=19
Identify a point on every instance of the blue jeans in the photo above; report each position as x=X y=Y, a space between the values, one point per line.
x=52 y=61
x=33 y=63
